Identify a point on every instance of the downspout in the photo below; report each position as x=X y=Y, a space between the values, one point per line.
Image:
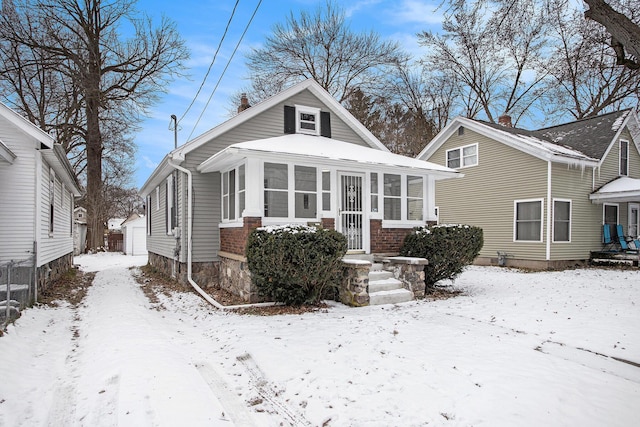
x=192 y=282
x=548 y=254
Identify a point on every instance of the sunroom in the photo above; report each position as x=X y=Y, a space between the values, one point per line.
x=372 y=196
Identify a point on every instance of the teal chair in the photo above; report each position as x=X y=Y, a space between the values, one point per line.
x=623 y=240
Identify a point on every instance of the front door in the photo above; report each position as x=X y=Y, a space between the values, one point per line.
x=352 y=210
x=634 y=219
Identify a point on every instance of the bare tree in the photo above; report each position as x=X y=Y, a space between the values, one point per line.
x=102 y=78
x=321 y=46
x=491 y=57
x=625 y=31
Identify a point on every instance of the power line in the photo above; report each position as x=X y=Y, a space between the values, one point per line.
x=225 y=68
x=212 y=62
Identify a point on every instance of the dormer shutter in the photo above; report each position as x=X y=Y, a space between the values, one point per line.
x=289 y=119
x=325 y=124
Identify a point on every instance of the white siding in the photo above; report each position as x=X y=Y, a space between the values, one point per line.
x=17 y=195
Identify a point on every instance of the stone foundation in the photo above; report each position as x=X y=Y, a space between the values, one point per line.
x=205 y=274
x=410 y=271
x=235 y=277
x=354 y=289
x=53 y=270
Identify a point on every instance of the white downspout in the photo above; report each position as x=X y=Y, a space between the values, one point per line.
x=195 y=286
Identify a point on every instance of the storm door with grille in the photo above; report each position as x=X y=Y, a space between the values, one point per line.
x=352 y=210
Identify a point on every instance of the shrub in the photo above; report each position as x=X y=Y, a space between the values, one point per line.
x=448 y=248
x=296 y=264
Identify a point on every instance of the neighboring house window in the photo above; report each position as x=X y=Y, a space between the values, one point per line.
x=326 y=190
x=158 y=198
x=305 y=192
x=374 y=192
x=463 y=157
x=624 y=157
x=392 y=197
x=149 y=215
x=610 y=215
x=415 y=194
x=528 y=220
x=171 y=219
x=52 y=198
x=561 y=220
x=276 y=199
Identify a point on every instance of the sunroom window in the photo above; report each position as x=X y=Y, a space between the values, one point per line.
x=305 y=192
x=392 y=197
x=415 y=194
x=276 y=185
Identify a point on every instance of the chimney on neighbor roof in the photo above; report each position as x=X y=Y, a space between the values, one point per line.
x=244 y=103
x=505 y=120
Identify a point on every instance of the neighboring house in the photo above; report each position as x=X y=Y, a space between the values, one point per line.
x=134 y=235
x=37 y=192
x=298 y=157
x=79 y=230
x=540 y=196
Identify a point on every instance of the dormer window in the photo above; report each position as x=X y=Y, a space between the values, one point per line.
x=307 y=120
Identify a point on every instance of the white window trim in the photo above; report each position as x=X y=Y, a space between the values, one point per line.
x=403 y=222
x=148 y=218
x=620 y=156
x=238 y=215
x=515 y=220
x=51 y=217
x=553 y=220
x=461 y=149
x=158 y=198
x=301 y=109
x=617 y=205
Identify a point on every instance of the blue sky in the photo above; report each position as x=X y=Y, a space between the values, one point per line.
x=202 y=23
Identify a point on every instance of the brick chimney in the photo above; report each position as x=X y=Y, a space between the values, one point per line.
x=244 y=103
x=505 y=120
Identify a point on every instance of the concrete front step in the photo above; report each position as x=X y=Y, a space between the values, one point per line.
x=384 y=285
x=375 y=275
x=394 y=296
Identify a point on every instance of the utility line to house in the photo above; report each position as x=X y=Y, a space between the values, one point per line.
x=225 y=68
x=215 y=55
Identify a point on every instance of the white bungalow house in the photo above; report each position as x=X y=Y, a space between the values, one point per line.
x=298 y=157
x=37 y=199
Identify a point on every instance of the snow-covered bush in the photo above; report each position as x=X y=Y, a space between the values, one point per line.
x=296 y=264
x=448 y=248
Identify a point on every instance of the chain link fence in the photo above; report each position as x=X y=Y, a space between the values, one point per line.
x=17 y=288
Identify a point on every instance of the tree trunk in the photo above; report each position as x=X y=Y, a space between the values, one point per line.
x=625 y=34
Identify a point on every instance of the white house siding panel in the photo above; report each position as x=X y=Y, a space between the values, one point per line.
x=485 y=196
x=17 y=195
x=59 y=243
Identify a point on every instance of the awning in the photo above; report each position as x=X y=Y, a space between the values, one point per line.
x=322 y=151
x=622 y=190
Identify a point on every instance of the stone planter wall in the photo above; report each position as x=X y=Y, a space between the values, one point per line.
x=354 y=289
x=410 y=271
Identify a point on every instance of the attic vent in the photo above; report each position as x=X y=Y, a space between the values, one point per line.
x=461 y=131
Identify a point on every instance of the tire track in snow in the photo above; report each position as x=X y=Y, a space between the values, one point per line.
x=267 y=392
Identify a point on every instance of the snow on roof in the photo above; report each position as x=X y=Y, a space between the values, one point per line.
x=621 y=189
x=619 y=121
x=318 y=149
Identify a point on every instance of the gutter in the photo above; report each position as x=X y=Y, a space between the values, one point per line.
x=192 y=282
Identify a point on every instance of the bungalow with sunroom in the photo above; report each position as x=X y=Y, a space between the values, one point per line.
x=298 y=157
x=540 y=196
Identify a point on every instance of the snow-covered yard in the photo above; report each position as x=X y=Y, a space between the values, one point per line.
x=518 y=349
